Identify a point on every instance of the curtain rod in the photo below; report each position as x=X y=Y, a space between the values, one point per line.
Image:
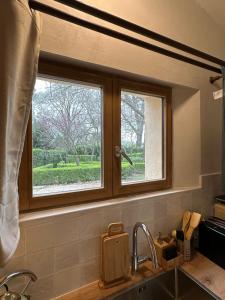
x=120 y=36
x=138 y=29
x=215 y=78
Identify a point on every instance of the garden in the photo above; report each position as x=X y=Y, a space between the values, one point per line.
x=53 y=167
x=67 y=134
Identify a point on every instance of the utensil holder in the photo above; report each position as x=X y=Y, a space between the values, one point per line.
x=188 y=249
x=172 y=263
x=160 y=246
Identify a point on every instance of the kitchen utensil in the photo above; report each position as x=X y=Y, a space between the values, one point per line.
x=185 y=221
x=178 y=234
x=114 y=255
x=194 y=222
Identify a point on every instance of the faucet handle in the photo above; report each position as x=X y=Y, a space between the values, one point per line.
x=142 y=258
x=19 y=273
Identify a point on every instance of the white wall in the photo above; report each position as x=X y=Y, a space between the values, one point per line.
x=186 y=137
x=182 y=20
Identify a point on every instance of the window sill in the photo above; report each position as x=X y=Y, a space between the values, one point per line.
x=82 y=208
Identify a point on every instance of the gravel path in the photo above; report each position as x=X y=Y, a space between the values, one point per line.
x=62 y=188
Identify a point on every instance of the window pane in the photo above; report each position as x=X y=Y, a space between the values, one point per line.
x=142 y=137
x=66 y=136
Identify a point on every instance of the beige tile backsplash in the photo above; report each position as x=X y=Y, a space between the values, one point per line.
x=65 y=256
x=89 y=225
x=64 y=250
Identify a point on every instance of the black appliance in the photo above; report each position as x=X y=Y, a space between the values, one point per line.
x=212 y=240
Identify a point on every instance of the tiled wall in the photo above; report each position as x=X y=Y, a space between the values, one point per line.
x=63 y=250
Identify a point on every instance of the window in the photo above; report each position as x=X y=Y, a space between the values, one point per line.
x=93 y=136
x=66 y=137
x=142 y=115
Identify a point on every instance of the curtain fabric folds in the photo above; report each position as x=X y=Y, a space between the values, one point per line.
x=19 y=51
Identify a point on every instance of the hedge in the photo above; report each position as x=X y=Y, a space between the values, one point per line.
x=74 y=158
x=44 y=157
x=74 y=174
x=54 y=157
x=65 y=175
x=62 y=164
x=136 y=158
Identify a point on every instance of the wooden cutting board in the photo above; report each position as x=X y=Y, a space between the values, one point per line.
x=114 y=254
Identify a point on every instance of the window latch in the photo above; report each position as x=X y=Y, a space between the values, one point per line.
x=120 y=152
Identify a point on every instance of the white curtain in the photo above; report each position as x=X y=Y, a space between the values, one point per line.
x=19 y=50
x=223 y=134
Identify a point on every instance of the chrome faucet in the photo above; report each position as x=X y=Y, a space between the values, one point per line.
x=8 y=295
x=136 y=260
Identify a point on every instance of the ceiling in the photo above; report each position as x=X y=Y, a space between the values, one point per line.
x=215 y=9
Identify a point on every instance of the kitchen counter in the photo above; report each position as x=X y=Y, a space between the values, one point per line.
x=93 y=292
x=207 y=273
x=200 y=269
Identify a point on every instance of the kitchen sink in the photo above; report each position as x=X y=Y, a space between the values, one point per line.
x=173 y=284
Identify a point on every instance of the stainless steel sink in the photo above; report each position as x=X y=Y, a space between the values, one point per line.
x=171 y=285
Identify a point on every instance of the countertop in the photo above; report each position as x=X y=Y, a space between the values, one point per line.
x=201 y=269
x=207 y=273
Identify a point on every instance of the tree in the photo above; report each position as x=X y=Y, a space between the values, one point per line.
x=133 y=116
x=70 y=113
x=41 y=135
x=68 y=116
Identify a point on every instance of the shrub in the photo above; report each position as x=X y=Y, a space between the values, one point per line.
x=65 y=175
x=70 y=173
x=128 y=170
x=74 y=158
x=133 y=149
x=88 y=150
x=44 y=157
x=137 y=157
x=137 y=154
x=37 y=157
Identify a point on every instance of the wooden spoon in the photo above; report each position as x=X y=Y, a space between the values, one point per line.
x=185 y=221
x=194 y=222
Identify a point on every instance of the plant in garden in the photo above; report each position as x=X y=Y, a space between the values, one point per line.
x=70 y=115
x=70 y=173
x=67 y=133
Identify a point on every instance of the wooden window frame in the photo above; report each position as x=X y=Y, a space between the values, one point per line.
x=28 y=202
x=111 y=86
x=154 y=90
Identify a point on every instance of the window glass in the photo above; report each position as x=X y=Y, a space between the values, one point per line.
x=142 y=137
x=66 y=137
